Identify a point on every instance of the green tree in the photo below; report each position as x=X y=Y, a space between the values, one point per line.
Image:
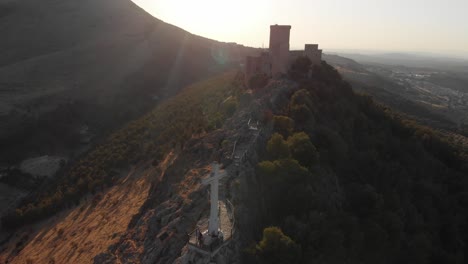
x=282 y=173
x=301 y=114
x=283 y=125
x=277 y=147
x=276 y=247
x=285 y=186
x=302 y=97
x=302 y=149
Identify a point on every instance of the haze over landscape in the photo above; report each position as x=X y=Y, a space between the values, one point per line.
x=201 y=132
x=436 y=27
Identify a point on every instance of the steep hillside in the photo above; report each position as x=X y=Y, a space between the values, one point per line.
x=92 y=64
x=344 y=179
x=143 y=178
x=196 y=110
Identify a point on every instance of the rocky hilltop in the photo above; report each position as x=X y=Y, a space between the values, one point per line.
x=315 y=172
x=345 y=179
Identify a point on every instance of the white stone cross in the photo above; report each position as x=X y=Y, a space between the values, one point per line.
x=215 y=176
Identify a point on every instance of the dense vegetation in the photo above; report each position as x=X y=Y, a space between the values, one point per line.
x=276 y=247
x=350 y=181
x=196 y=110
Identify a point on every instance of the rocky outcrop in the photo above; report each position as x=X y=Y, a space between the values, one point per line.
x=177 y=201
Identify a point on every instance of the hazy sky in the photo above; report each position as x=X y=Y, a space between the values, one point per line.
x=439 y=26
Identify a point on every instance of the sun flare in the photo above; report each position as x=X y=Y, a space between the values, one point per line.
x=217 y=19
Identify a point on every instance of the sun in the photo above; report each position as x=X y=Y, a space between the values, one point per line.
x=219 y=19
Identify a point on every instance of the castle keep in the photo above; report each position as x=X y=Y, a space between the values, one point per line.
x=276 y=61
x=279 y=49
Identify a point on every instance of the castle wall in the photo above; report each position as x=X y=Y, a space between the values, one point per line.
x=257 y=65
x=252 y=65
x=294 y=54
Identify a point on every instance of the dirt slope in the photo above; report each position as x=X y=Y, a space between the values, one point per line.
x=77 y=235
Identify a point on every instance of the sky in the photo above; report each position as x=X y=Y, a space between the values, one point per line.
x=429 y=26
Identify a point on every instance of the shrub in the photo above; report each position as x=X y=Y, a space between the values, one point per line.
x=302 y=97
x=283 y=125
x=60 y=232
x=229 y=106
x=277 y=147
x=302 y=149
x=302 y=114
x=276 y=247
x=282 y=173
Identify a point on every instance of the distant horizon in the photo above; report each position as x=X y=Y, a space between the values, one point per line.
x=425 y=54
x=431 y=27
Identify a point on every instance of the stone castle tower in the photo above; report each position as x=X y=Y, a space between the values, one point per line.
x=279 y=49
x=277 y=60
x=312 y=52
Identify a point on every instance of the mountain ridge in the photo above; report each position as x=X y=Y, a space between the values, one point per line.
x=103 y=53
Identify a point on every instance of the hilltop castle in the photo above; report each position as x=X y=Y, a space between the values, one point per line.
x=276 y=61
